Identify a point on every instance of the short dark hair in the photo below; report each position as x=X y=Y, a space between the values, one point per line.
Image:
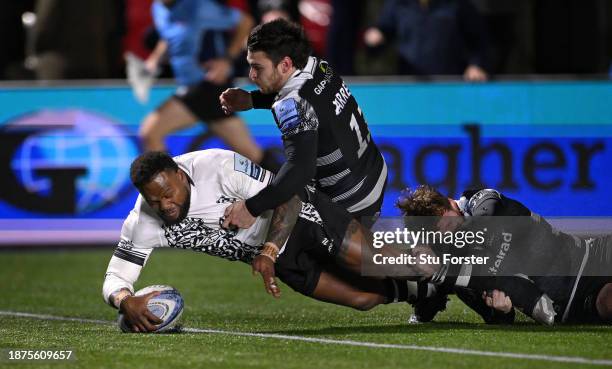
x=278 y=39
x=423 y=201
x=148 y=165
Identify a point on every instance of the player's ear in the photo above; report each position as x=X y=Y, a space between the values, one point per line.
x=286 y=64
x=181 y=175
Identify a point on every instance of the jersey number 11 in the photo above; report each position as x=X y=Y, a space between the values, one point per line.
x=363 y=143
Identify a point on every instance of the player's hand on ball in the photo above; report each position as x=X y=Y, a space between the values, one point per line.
x=235 y=99
x=498 y=301
x=136 y=313
x=237 y=216
x=264 y=266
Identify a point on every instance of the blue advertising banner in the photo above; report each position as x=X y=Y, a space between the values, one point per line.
x=65 y=151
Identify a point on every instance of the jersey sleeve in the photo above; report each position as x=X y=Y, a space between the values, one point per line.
x=261 y=100
x=241 y=177
x=160 y=15
x=484 y=202
x=294 y=115
x=215 y=16
x=140 y=233
x=296 y=172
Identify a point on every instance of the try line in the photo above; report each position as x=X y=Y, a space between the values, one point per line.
x=448 y=350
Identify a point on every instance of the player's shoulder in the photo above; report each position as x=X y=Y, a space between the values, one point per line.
x=478 y=194
x=473 y=199
x=203 y=162
x=208 y=164
x=294 y=87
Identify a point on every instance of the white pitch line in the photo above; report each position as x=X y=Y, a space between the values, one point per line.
x=448 y=350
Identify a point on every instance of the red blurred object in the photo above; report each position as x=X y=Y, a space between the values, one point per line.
x=315 y=16
x=240 y=4
x=138 y=20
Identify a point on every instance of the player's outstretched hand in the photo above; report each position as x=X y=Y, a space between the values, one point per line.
x=264 y=266
x=237 y=216
x=498 y=301
x=136 y=313
x=235 y=99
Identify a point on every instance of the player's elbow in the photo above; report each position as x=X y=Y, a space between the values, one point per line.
x=304 y=173
x=310 y=171
x=247 y=21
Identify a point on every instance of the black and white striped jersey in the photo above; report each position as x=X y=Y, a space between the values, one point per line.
x=521 y=242
x=349 y=167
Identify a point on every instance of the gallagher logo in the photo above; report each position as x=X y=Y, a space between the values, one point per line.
x=63 y=161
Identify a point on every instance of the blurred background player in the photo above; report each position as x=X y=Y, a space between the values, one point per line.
x=433 y=37
x=326 y=137
x=184 y=26
x=76 y=39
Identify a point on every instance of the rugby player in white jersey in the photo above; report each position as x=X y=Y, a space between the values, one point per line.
x=314 y=246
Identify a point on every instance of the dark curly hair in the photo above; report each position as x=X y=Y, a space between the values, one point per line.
x=422 y=201
x=149 y=164
x=278 y=39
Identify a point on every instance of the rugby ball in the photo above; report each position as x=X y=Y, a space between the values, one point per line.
x=168 y=306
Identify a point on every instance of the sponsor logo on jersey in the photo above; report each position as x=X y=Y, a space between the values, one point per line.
x=287 y=115
x=323 y=65
x=326 y=79
x=244 y=165
x=341 y=98
x=501 y=254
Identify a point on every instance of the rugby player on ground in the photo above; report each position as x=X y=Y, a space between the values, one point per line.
x=575 y=273
x=314 y=246
x=324 y=132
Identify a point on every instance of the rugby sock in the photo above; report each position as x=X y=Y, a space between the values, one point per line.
x=410 y=291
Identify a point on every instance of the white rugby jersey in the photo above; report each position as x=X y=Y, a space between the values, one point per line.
x=218 y=178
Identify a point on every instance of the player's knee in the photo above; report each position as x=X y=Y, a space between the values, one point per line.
x=147 y=133
x=364 y=302
x=604 y=302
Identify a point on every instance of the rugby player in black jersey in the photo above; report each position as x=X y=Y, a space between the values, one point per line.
x=575 y=273
x=327 y=141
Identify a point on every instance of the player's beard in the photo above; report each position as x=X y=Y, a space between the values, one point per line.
x=183 y=211
x=274 y=85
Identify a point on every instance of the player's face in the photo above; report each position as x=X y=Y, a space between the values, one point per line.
x=451 y=219
x=168 y=194
x=267 y=76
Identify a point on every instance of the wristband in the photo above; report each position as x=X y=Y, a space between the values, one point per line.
x=117 y=304
x=123 y=299
x=270 y=250
x=262 y=101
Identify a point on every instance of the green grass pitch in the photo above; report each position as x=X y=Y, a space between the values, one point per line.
x=223 y=295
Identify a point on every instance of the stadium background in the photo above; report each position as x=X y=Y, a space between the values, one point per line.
x=66 y=151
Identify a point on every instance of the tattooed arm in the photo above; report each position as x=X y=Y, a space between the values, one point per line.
x=282 y=223
x=283 y=220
